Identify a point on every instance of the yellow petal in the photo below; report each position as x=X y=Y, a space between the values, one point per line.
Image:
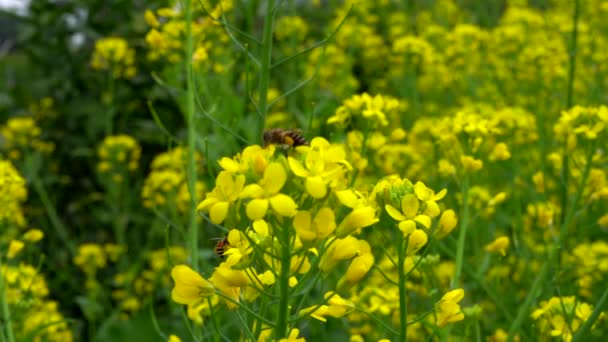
x=410 y=205
x=347 y=197
x=447 y=223
x=283 y=205
x=257 y=208
x=190 y=286
x=394 y=213
x=252 y=191
x=302 y=224
x=207 y=202
x=407 y=227
x=274 y=178
x=316 y=187
x=325 y=222
x=423 y=193
x=261 y=228
x=229 y=165
x=423 y=220
x=297 y=168
x=432 y=209
x=417 y=240
x=218 y=212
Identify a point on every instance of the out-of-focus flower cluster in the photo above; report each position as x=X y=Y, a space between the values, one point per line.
x=165 y=188
x=22 y=135
x=118 y=156
x=166 y=38
x=113 y=54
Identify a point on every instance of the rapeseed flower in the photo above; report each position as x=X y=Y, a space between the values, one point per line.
x=447 y=309
x=267 y=193
x=190 y=287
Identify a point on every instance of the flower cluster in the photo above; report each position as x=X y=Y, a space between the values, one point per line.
x=118 y=156
x=33 y=314
x=166 y=38
x=166 y=188
x=13 y=193
x=22 y=135
x=113 y=54
x=562 y=316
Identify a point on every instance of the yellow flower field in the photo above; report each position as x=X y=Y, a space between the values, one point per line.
x=223 y=170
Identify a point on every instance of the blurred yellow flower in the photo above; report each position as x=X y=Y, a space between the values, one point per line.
x=33 y=235
x=447 y=309
x=14 y=248
x=499 y=245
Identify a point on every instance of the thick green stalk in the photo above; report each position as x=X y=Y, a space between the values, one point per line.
x=464 y=222
x=280 y=330
x=265 y=67
x=191 y=167
x=6 y=313
x=402 y=293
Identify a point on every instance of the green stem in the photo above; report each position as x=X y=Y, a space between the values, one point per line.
x=110 y=104
x=402 y=292
x=6 y=313
x=265 y=67
x=191 y=167
x=280 y=330
x=569 y=96
x=572 y=55
x=464 y=222
x=52 y=213
x=532 y=295
x=571 y=210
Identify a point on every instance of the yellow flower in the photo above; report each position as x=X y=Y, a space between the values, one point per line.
x=358 y=218
x=151 y=18
x=408 y=216
x=323 y=167
x=239 y=247
x=447 y=223
x=500 y=152
x=90 y=257
x=267 y=193
x=309 y=229
x=293 y=336
x=229 y=281
x=338 y=307
x=14 y=248
x=227 y=189
x=416 y=240
x=357 y=269
x=448 y=310
x=33 y=235
x=471 y=164
x=342 y=249
x=174 y=338
x=190 y=287
x=499 y=245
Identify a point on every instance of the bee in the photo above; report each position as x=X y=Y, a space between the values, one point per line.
x=220 y=247
x=280 y=136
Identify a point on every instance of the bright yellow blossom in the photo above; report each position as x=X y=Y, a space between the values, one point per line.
x=190 y=287
x=227 y=189
x=267 y=193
